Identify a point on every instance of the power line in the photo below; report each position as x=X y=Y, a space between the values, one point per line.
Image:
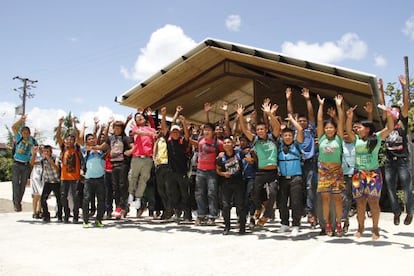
x=23 y=90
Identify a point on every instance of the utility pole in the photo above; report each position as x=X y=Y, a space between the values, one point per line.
x=27 y=85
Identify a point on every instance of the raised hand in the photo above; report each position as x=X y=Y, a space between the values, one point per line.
x=403 y=80
x=350 y=111
x=320 y=100
x=369 y=107
x=179 y=108
x=305 y=93
x=224 y=106
x=288 y=92
x=163 y=111
x=207 y=107
x=338 y=99
x=274 y=108
x=239 y=109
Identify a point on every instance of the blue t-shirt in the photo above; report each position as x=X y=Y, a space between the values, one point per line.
x=308 y=145
x=290 y=159
x=23 y=148
x=95 y=163
x=348 y=158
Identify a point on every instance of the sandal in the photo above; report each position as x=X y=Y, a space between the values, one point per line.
x=339 y=231
x=328 y=229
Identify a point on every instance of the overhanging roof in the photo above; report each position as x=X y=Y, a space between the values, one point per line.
x=215 y=71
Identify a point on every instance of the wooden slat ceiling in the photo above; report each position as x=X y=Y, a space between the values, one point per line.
x=217 y=71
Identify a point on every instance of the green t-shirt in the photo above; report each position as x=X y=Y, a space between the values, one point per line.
x=330 y=150
x=363 y=159
x=266 y=151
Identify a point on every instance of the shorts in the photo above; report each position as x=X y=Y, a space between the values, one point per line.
x=367 y=183
x=330 y=178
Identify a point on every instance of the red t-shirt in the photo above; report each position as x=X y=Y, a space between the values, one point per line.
x=207 y=153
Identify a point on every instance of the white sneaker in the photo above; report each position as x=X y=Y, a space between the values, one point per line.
x=295 y=231
x=283 y=228
x=130 y=198
x=137 y=203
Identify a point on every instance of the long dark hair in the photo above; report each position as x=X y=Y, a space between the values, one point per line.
x=372 y=138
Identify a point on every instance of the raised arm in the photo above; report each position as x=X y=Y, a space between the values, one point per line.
x=266 y=101
x=227 y=128
x=369 y=109
x=341 y=121
x=381 y=97
x=309 y=106
x=164 y=127
x=207 y=108
x=239 y=110
x=16 y=126
x=269 y=110
x=185 y=127
x=349 y=121
x=389 y=127
x=178 y=110
x=299 y=129
x=319 y=128
x=289 y=105
x=59 y=137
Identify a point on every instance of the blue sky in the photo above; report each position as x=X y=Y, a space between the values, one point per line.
x=84 y=53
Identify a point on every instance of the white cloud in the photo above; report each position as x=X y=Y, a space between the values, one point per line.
x=349 y=46
x=233 y=22
x=163 y=47
x=380 y=61
x=409 y=28
x=44 y=121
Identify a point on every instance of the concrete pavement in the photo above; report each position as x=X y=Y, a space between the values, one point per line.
x=144 y=247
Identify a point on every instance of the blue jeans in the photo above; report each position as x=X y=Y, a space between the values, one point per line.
x=309 y=177
x=398 y=171
x=347 y=197
x=206 y=193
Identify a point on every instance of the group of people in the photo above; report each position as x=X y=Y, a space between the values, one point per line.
x=184 y=172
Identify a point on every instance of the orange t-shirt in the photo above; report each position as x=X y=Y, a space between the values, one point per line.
x=70 y=164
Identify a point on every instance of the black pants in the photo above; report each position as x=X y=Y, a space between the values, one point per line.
x=234 y=191
x=72 y=186
x=120 y=184
x=109 y=194
x=265 y=188
x=47 y=189
x=291 y=188
x=93 y=186
x=162 y=173
x=178 y=193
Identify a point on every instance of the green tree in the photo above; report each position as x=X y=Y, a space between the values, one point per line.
x=394 y=95
x=67 y=126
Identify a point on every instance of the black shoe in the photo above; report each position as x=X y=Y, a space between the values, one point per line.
x=60 y=219
x=226 y=231
x=242 y=231
x=397 y=218
x=345 y=228
x=66 y=220
x=408 y=219
x=75 y=220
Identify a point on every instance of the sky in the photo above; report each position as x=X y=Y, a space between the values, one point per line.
x=85 y=53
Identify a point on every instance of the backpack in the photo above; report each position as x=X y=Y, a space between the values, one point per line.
x=15 y=143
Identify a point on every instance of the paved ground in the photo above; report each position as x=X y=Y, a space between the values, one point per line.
x=144 y=247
